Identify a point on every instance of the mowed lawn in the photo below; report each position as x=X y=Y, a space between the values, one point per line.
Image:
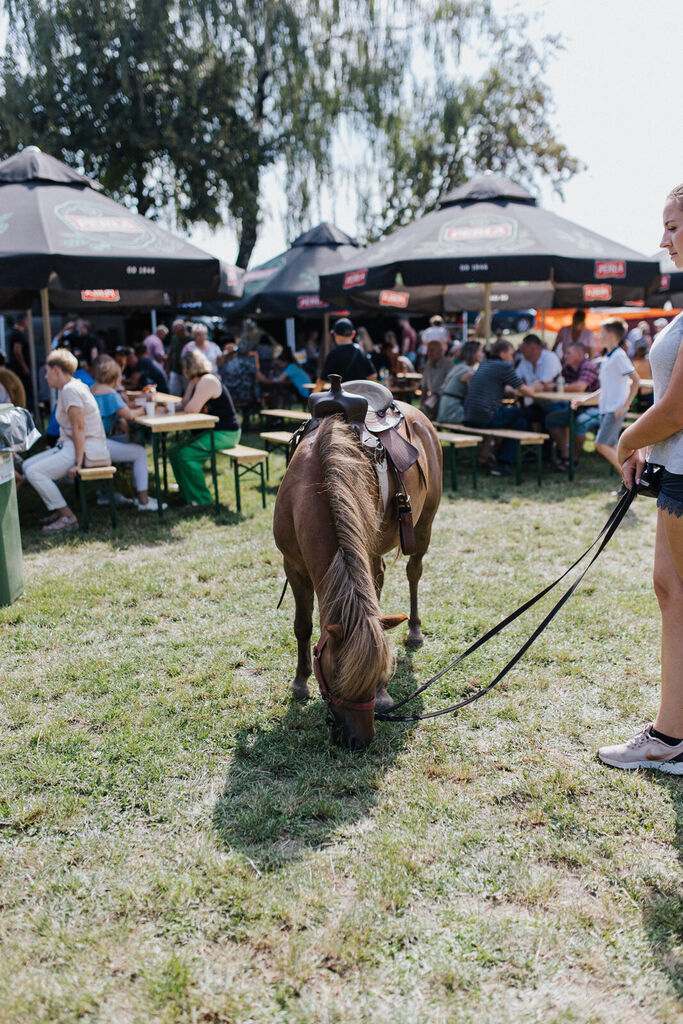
x=179 y=842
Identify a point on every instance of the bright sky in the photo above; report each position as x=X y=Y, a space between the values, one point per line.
x=617 y=95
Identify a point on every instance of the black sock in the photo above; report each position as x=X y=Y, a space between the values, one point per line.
x=670 y=740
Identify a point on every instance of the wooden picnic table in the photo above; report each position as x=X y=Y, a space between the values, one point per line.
x=160 y=426
x=159 y=397
x=296 y=415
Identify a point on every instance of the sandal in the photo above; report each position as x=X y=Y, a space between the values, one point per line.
x=61 y=525
x=51 y=518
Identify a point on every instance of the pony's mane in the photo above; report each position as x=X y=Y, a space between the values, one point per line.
x=347 y=592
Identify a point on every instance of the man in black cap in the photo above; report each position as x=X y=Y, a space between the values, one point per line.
x=346 y=359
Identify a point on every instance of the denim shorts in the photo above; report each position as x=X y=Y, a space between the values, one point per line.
x=609 y=429
x=670 y=497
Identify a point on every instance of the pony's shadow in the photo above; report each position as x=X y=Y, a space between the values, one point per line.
x=290 y=791
x=663 y=911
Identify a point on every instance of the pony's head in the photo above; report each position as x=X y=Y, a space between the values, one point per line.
x=349 y=678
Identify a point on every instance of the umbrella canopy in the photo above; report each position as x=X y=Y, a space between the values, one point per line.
x=58 y=231
x=288 y=285
x=490 y=235
x=671 y=282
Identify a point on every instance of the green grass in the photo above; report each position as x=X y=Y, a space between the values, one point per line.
x=180 y=843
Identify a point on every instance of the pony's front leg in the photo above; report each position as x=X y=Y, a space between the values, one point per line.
x=302 y=588
x=414 y=572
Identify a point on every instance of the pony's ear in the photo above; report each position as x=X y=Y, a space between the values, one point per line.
x=391 y=621
x=335 y=633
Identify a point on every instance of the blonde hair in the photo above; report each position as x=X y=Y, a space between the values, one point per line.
x=199 y=329
x=195 y=364
x=65 y=360
x=106 y=370
x=677 y=195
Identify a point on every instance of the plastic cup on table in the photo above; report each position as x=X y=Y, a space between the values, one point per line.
x=150 y=408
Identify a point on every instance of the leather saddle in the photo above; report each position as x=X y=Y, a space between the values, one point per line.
x=369 y=407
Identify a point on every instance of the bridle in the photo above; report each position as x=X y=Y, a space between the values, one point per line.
x=329 y=698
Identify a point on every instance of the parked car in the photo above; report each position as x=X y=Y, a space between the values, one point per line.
x=518 y=320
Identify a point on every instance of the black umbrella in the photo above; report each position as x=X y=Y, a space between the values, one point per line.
x=59 y=232
x=490 y=242
x=288 y=285
x=670 y=284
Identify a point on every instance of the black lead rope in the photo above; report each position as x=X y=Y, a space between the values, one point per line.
x=604 y=537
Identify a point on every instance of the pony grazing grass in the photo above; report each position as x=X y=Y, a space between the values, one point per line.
x=332 y=530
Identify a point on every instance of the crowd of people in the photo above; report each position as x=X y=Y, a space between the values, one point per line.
x=470 y=384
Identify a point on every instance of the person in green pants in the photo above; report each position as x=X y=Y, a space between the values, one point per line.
x=204 y=393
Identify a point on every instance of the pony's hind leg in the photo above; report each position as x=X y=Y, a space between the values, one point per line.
x=423 y=534
x=302 y=589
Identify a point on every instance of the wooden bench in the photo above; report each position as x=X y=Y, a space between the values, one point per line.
x=276 y=439
x=454 y=442
x=85 y=475
x=524 y=438
x=247 y=460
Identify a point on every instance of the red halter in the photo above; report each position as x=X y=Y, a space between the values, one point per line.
x=329 y=698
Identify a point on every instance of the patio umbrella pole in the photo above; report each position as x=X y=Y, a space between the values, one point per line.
x=34 y=368
x=487 y=311
x=45 y=313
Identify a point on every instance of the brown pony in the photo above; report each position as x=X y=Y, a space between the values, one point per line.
x=332 y=539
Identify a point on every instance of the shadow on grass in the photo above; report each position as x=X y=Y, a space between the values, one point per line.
x=289 y=790
x=663 y=911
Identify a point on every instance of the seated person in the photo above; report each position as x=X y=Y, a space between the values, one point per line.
x=11 y=388
x=241 y=377
x=292 y=372
x=434 y=373
x=452 y=399
x=204 y=393
x=345 y=358
x=581 y=374
x=82 y=441
x=483 y=402
x=576 y=332
x=539 y=369
x=113 y=409
x=141 y=371
x=52 y=429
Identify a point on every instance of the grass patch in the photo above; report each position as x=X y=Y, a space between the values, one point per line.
x=179 y=842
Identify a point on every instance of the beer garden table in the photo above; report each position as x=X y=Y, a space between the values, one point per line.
x=160 y=426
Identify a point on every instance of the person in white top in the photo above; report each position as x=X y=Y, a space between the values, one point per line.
x=540 y=369
x=618 y=387
x=660 y=428
x=200 y=342
x=81 y=440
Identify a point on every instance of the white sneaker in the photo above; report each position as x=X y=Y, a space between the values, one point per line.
x=645 y=751
x=151 y=506
x=119 y=499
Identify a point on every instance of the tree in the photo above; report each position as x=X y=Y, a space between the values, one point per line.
x=186 y=103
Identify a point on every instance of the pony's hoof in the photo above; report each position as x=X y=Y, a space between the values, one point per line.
x=383 y=700
x=414 y=640
x=300 y=692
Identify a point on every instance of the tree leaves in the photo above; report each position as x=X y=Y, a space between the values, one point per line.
x=184 y=104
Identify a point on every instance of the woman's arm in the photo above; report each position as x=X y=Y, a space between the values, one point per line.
x=206 y=387
x=75 y=413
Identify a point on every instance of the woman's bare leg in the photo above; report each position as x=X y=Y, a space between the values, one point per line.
x=668 y=580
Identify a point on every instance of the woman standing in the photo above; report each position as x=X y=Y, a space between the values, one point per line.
x=660 y=429
x=204 y=393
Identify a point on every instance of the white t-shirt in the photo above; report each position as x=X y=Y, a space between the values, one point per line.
x=547 y=368
x=210 y=350
x=615 y=370
x=77 y=393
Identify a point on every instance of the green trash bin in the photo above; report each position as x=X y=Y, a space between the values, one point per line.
x=11 y=562
x=17 y=434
